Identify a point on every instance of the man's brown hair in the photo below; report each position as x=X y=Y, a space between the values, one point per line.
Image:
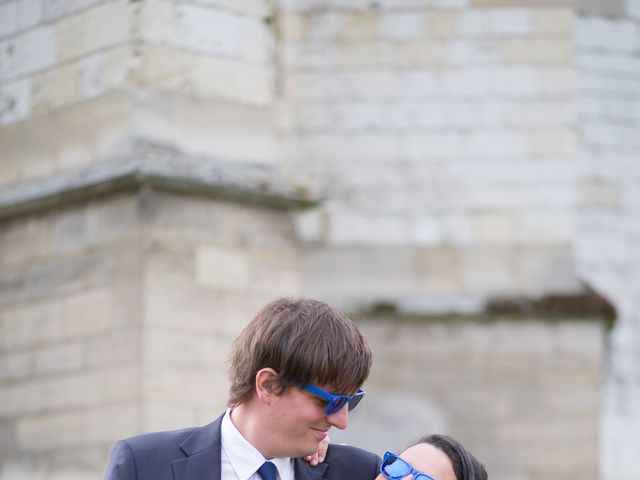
x=304 y=341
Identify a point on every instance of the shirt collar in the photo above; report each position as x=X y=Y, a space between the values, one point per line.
x=244 y=458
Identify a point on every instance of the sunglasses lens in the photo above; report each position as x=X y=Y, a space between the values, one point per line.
x=355 y=401
x=336 y=405
x=395 y=468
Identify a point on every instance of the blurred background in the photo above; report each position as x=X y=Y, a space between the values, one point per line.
x=460 y=176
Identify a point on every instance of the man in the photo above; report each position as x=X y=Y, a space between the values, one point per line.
x=295 y=372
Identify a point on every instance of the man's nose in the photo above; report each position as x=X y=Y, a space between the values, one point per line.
x=340 y=419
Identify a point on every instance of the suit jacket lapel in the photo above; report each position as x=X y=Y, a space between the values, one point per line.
x=203 y=449
x=303 y=471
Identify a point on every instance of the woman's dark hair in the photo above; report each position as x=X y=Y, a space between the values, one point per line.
x=465 y=465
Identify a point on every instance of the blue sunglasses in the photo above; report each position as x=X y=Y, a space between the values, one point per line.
x=395 y=468
x=335 y=402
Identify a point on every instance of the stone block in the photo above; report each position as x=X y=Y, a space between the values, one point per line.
x=611 y=34
x=599 y=193
x=494 y=228
x=172 y=302
x=15 y=365
x=487 y=270
x=350 y=229
x=536 y=50
x=425 y=230
x=256 y=42
x=624 y=64
x=158 y=21
x=359 y=274
x=364 y=84
x=544 y=228
x=207 y=77
x=249 y=7
x=55 y=88
x=159 y=417
x=544 y=270
x=538 y=113
x=56 y=9
x=104 y=71
x=383 y=54
x=325 y=26
x=28 y=52
x=114 y=220
x=611 y=8
x=43 y=432
x=192 y=389
x=521 y=3
x=118 y=347
x=440 y=269
x=222 y=268
x=515 y=81
x=164 y=347
x=20 y=398
x=8 y=18
x=234 y=131
x=467 y=83
x=208 y=30
x=472 y=22
x=633 y=8
x=105 y=25
x=440 y=24
x=458 y=229
x=292 y=25
x=69 y=231
x=311 y=225
x=88 y=313
x=450 y=4
x=401 y=26
x=554 y=20
x=551 y=143
x=29 y=13
x=107 y=423
x=9 y=168
x=91 y=388
x=22 y=240
x=466 y=52
x=34 y=324
x=359 y=26
x=59 y=358
x=16 y=101
x=556 y=81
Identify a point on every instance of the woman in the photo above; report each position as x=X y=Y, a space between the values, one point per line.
x=434 y=457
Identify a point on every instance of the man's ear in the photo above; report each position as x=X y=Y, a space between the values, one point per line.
x=265 y=379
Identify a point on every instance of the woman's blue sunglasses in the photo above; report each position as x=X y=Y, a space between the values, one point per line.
x=395 y=468
x=335 y=402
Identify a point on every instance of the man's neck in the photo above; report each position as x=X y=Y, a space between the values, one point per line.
x=253 y=428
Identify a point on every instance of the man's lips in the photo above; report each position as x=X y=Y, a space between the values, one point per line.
x=320 y=432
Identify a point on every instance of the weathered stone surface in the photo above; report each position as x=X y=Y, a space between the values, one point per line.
x=161 y=168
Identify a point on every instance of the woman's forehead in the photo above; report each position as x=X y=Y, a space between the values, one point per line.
x=430 y=460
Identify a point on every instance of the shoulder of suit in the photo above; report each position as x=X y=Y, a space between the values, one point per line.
x=347 y=451
x=158 y=441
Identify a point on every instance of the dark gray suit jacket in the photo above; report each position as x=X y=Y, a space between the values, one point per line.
x=194 y=454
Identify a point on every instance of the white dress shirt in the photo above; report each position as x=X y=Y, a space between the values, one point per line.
x=240 y=460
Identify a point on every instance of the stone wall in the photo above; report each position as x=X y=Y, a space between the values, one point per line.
x=117 y=316
x=609 y=197
x=94 y=76
x=448 y=129
x=474 y=158
x=70 y=303
x=521 y=393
